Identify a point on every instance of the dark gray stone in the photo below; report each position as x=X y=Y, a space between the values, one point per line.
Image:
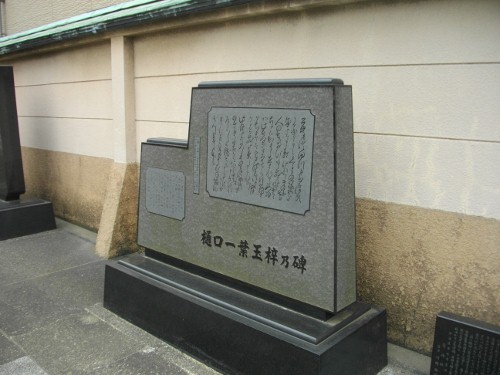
x=51 y=251
x=308 y=254
x=146 y=362
x=80 y=286
x=9 y=351
x=77 y=343
x=22 y=366
x=24 y=217
x=45 y=277
x=237 y=333
x=11 y=165
x=151 y=343
x=25 y=308
x=465 y=346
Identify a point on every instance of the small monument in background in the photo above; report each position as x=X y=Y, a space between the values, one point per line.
x=249 y=230
x=465 y=346
x=18 y=217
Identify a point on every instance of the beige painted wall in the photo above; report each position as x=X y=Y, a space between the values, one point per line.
x=64 y=101
x=426 y=87
x=65 y=120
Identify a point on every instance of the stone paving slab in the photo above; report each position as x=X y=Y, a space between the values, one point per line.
x=25 y=307
x=43 y=253
x=76 y=343
x=9 y=351
x=22 y=366
x=161 y=349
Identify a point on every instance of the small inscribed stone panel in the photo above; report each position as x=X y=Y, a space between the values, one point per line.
x=464 y=346
x=261 y=156
x=165 y=192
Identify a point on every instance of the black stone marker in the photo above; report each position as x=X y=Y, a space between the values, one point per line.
x=18 y=217
x=464 y=346
x=11 y=165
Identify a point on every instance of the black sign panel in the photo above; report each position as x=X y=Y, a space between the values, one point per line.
x=11 y=165
x=464 y=346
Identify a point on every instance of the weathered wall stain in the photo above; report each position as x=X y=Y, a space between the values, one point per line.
x=417 y=262
x=75 y=184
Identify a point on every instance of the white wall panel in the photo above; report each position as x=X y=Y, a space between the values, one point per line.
x=458 y=102
x=397 y=33
x=64 y=100
x=72 y=100
x=459 y=176
x=76 y=136
x=87 y=63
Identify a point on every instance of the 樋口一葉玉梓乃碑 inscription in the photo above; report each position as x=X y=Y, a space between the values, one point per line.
x=261 y=156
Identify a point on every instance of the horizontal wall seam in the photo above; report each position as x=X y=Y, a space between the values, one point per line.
x=64 y=83
x=163 y=121
x=317 y=68
x=66 y=117
x=429 y=137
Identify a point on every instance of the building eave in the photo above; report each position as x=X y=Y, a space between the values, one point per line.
x=121 y=16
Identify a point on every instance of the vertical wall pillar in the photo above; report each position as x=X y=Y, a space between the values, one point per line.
x=118 y=226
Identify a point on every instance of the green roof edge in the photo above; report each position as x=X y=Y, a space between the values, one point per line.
x=121 y=16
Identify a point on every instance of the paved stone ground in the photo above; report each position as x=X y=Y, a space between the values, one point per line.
x=52 y=320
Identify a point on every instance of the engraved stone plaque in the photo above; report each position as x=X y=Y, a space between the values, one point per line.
x=165 y=193
x=261 y=156
x=465 y=346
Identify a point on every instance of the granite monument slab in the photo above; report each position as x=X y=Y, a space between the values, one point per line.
x=269 y=191
x=249 y=234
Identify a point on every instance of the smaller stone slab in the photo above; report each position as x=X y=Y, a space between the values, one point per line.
x=465 y=346
x=165 y=192
x=23 y=217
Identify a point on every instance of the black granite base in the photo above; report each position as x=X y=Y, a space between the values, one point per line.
x=236 y=332
x=22 y=217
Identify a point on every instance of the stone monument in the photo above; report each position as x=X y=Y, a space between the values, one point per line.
x=253 y=223
x=18 y=217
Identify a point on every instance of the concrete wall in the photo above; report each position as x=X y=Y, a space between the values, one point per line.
x=426 y=87
x=65 y=120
